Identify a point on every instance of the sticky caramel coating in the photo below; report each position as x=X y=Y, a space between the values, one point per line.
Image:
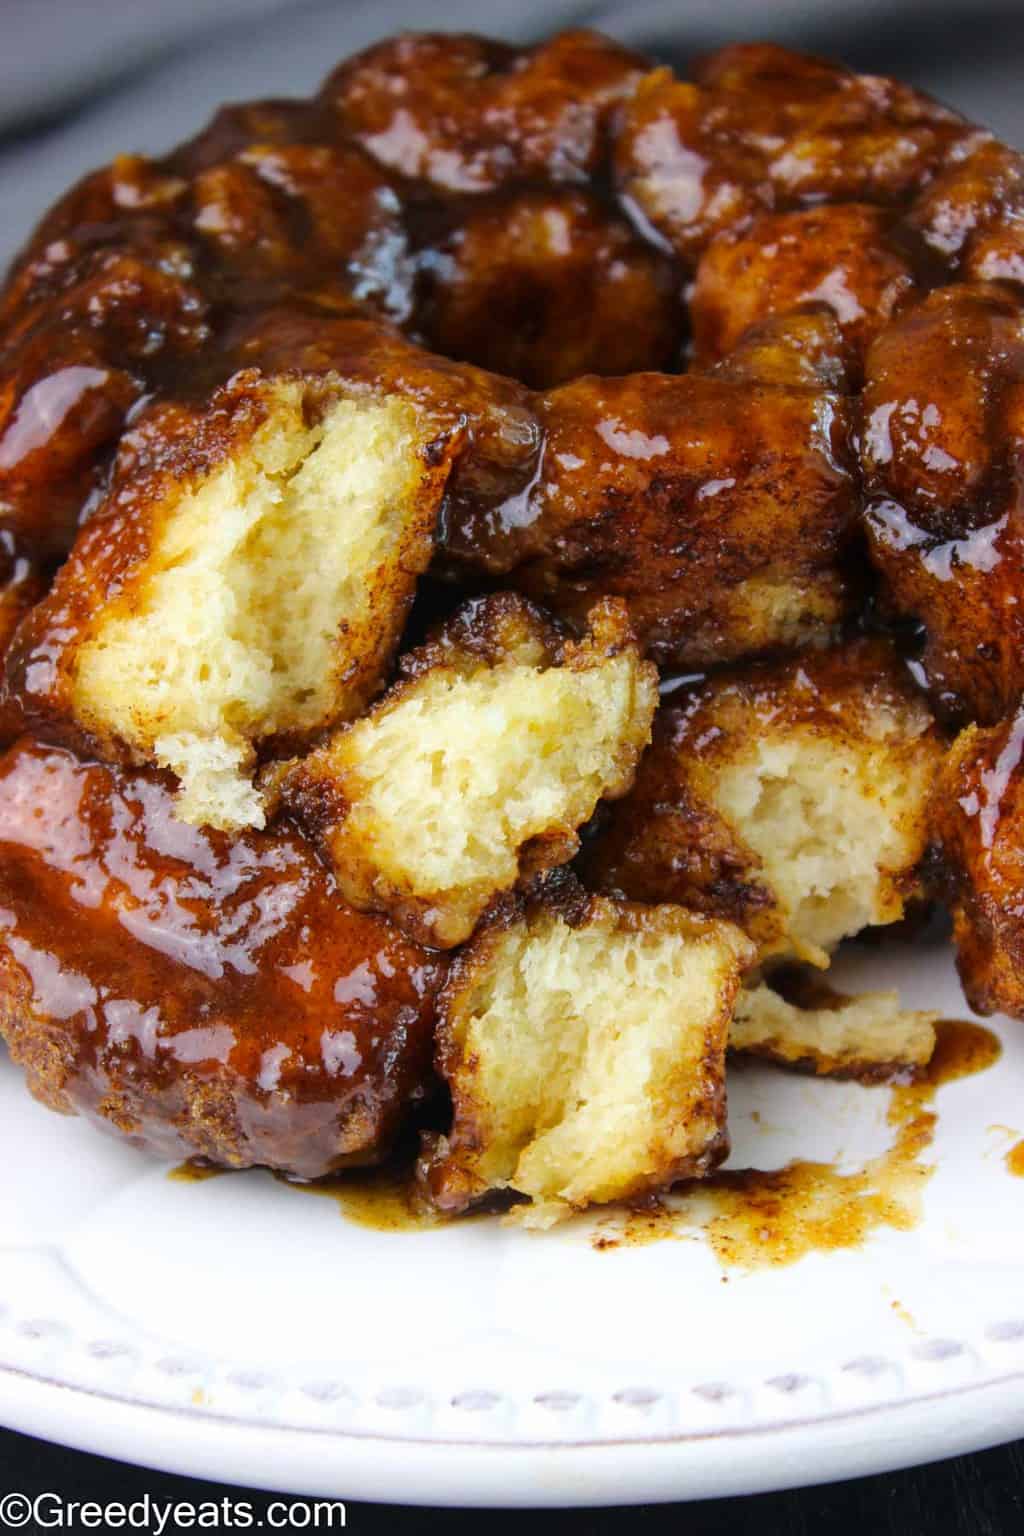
x=22 y=585
x=972 y=215
x=943 y=426
x=545 y=285
x=70 y=374
x=802 y=347
x=765 y=129
x=839 y=256
x=719 y=511
x=469 y=195
x=195 y=993
x=467 y=114
x=832 y=724
x=120 y=291
x=978 y=832
x=288 y=218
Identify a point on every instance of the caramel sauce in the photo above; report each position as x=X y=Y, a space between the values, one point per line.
x=207 y=994
x=753 y=1218
x=195 y=1171
x=1015 y=1160
x=384 y=1199
x=757 y=1218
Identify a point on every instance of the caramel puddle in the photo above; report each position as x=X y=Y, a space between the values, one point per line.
x=755 y=1218
x=383 y=1198
x=195 y=1171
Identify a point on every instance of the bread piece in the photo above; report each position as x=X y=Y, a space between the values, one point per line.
x=941 y=449
x=468 y=114
x=978 y=837
x=760 y=128
x=199 y=993
x=545 y=284
x=842 y=256
x=245 y=581
x=868 y=1037
x=723 y=512
x=789 y=798
x=802 y=347
x=479 y=765
x=583 y=1041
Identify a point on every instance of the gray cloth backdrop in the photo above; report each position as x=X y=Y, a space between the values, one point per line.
x=82 y=80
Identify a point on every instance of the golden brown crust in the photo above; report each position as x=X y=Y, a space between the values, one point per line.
x=719 y=511
x=201 y=994
x=800 y=1023
x=802 y=347
x=978 y=834
x=173 y=449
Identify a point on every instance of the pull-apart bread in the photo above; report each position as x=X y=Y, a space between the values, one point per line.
x=492 y=560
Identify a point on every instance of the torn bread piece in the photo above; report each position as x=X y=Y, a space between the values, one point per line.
x=790 y=798
x=583 y=1041
x=477 y=768
x=244 y=582
x=869 y=1036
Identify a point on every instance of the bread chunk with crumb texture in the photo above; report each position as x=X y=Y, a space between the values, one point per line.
x=869 y=1037
x=791 y=798
x=583 y=1040
x=244 y=583
x=477 y=768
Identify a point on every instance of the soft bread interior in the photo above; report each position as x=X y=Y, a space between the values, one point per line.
x=446 y=783
x=590 y=1059
x=867 y=1036
x=834 y=820
x=260 y=597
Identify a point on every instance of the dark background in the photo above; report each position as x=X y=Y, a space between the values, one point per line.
x=81 y=80
x=979 y=1495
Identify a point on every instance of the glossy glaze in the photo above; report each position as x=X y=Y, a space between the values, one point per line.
x=854 y=380
x=468 y=114
x=459 y=193
x=675 y=493
x=942 y=438
x=841 y=257
x=977 y=864
x=545 y=285
x=761 y=128
x=198 y=993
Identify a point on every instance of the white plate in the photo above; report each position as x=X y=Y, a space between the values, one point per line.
x=238 y=1329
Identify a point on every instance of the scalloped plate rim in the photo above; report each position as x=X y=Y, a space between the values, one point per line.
x=460 y=1472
